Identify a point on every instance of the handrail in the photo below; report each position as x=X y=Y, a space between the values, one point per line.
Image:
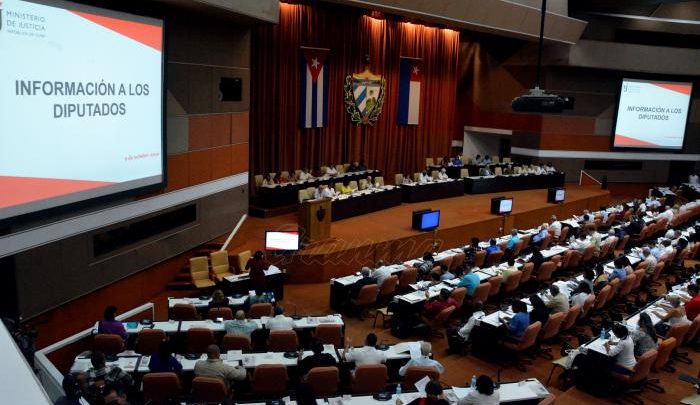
x=234 y=231
x=49 y=375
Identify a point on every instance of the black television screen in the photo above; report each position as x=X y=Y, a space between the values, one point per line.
x=430 y=220
x=556 y=195
x=501 y=205
x=281 y=241
x=426 y=220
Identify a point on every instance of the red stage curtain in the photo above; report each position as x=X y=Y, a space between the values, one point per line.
x=278 y=143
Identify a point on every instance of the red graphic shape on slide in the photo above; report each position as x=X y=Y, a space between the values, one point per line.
x=679 y=88
x=20 y=190
x=147 y=34
x=621 y=140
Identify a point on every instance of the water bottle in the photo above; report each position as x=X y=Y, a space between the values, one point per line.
x=473 y=385
x=398 y=390
x=602 y=333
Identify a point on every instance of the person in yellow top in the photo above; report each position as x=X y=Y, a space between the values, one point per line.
x=509 y=270
x=345 y=188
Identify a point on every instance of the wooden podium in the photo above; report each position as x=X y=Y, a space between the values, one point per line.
x=315 y=220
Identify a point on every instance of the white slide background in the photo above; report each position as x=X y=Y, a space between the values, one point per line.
x=35 y=144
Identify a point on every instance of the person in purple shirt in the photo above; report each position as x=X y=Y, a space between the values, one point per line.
x=110 y=325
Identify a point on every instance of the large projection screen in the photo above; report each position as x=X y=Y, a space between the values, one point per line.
x=652 y=114
x=81 y=96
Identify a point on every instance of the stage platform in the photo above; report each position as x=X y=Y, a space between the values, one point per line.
x=387 y=235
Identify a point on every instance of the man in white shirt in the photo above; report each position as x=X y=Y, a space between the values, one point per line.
x=380 y=273
x=367 y=354
x=425 y=177
x=556 y=225
x=443 y=174
x=581 y=243
x=549 y=168
x=331 y=171
x=280 y=322
x=693 y=178
x=649 y=260
x=424 y=360
x=323 y=191
x=668 y=213
x=623 y=351
x=478 y=313
x=305 y=175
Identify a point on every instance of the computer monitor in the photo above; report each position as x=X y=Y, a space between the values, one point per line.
x=425 y=220
x=286 y=241
x=556 y=195
x=501 y=205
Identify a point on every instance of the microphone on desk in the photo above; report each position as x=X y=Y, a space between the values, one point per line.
x=498 y=378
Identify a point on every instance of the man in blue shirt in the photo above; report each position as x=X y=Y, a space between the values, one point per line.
x=519 y=322
x=469 y=281
x=513 y=242
x=492 y=247
x=619 y=271
x=539 y=237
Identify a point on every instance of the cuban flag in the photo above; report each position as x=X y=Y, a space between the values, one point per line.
x=410 y=76
x=314 y=88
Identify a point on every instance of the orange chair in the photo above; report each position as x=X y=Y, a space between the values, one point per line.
x=613 y=289
x=365 y=298
x=160 y=388
x=602 y=298
x=324 y=380
x=232 y=341
x=512 y=283
x=388 y=287
x=528 y=340
x=458 y=294
x=199 y=272
x=527 y=273
x=571 y=318
x=576 y=258
x=149 y=341
x=550 y=330
x=479 y=258
x=626 y=286
x=544 y=275
x=493 y=258
x=269 y=380
x=259 y=310
x=329 y=334
x=283 y=341
x=457 y=260
x=447 y=261
x=438 y=322
x=587 y=305
x=678 y=331
x=638 y=278
x=220 y=312
x=495 y=285
x=416 y=373
x=208 y=390
x=408 y=277
x=184 y=312
x=198 y=339
x=588 y=254
x=564 y=233
x=108 y=343
x=693 y=331
x=663 y=359
x=639 y=376
x=369 y=379
x=481 y=292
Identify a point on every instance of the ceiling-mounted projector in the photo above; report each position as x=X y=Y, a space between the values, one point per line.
x=540 y=101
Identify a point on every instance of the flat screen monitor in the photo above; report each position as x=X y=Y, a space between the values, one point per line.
x=501 y=205
x=556 y=195
x=81 y=90
x=652 y=114
x=430 y=220
x=276 y=241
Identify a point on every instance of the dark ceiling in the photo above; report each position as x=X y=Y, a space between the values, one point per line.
x=671 y=9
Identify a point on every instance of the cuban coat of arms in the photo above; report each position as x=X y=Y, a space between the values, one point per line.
x=364 y=97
